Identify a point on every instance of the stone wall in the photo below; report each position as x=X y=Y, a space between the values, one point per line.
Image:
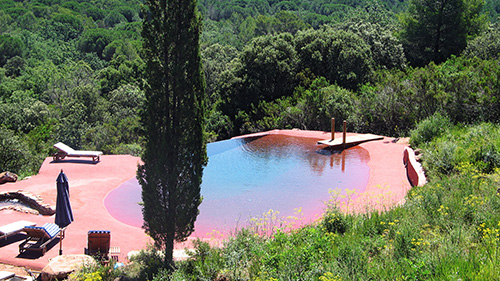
x=34 y=204
x=414 y=170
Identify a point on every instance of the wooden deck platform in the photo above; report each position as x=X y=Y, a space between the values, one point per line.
x=350 y=141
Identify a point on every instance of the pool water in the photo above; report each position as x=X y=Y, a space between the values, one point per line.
x=247 y=177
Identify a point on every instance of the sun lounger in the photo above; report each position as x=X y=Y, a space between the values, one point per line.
x=66 y=151
x=39 y=237
x=13 y=228
x=6 y=275
x=98 y=244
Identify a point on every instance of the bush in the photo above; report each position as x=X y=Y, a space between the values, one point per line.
x=477 y=146
x=428 y=129
x=146 y=264
x=16 y=155
x=335 y=222
x=9 y=48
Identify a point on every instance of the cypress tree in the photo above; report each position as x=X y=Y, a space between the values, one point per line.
x=173 y=122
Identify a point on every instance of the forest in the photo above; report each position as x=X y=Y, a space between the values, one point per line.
x=72 y=71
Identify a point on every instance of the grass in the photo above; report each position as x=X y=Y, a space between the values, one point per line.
x=448 y=229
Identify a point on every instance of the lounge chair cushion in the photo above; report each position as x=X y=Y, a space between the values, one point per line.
x=6 y=275
x=64 y=148
x=13 y=228
x=105 y=232
x=48 y=230
x=71 y=152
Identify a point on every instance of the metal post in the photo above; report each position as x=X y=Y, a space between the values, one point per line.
x=61 y=237
x=333 y=128
x=345 y=132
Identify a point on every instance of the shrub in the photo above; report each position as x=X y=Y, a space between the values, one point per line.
x=335 y=222
x=428 y=129
x=146 y=264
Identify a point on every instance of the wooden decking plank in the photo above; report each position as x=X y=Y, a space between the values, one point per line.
x=350 y=140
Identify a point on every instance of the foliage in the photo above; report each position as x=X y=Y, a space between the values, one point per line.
x=145 y=264
x=10 y=47
x=173 y=123
x=96 y=272
x=426 y=130
x=339 y=56
x=386 y=50
x=312 y=108
x=15 y=154
x=477 y=147
x=265 y=71
x=486 y=46
x=435 y=30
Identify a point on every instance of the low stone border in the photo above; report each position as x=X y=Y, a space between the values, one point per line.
x=35 y=203
x=414 y=170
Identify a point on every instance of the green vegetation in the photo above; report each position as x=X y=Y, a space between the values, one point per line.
x=434 y=30
x=75 y=71
x=173 y=123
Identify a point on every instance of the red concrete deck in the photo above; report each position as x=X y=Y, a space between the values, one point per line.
x=89 y=184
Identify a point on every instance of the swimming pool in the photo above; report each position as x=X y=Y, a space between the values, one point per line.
x=247 y=177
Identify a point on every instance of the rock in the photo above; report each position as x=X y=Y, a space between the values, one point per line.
x=61 y=266
x=402 y=140
x=414 y=170
x=7 y=177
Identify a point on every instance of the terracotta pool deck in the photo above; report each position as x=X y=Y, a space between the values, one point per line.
x=90 y=183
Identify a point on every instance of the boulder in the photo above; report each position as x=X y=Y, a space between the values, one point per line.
x=62 y=266
x=7 y=177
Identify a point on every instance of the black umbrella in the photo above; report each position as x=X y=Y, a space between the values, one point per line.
x=64 y=215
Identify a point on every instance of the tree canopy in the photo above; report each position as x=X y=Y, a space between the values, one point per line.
x=435 y=30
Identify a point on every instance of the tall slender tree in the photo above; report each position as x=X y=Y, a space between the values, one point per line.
x=173 y=122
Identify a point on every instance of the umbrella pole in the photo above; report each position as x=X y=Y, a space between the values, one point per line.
x=61 y=236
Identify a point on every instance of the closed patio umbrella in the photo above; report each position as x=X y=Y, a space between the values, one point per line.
x=64 y=214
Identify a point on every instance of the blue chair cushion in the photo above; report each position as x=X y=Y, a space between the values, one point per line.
x=98 y=231
x=51 y=229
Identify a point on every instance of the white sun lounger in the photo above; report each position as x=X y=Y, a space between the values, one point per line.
x=66 y=151
x=13 y=228
x=6 y=275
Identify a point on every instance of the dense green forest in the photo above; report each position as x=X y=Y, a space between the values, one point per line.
x=72 y=71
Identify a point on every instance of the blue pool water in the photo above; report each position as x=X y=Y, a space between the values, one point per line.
x=247 y=177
